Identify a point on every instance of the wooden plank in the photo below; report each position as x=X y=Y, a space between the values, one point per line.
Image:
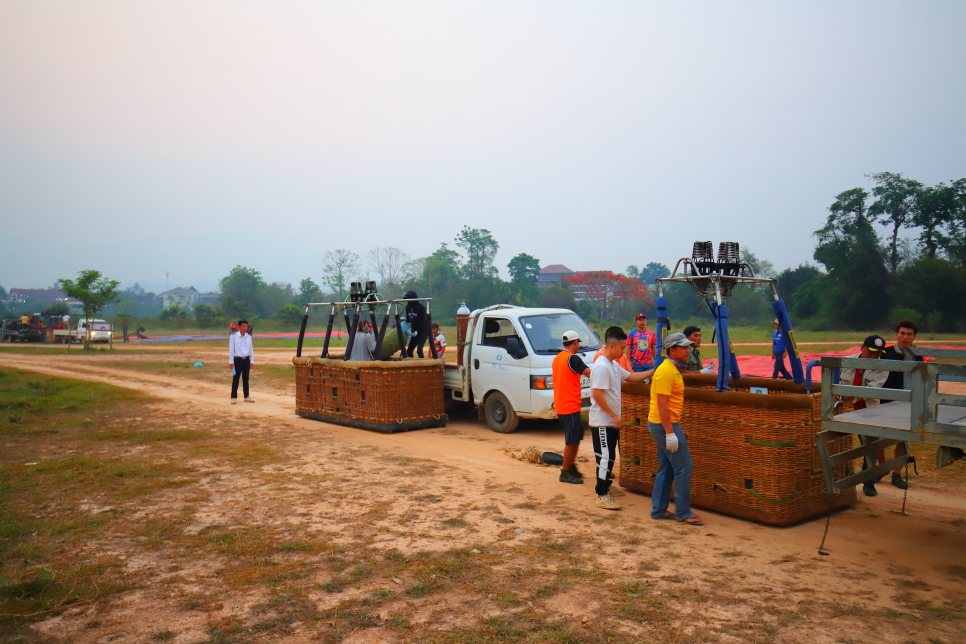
x=872 y=392
x=893 y=415
x=952 y=400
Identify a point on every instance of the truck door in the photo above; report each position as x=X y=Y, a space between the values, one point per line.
x=495 y=369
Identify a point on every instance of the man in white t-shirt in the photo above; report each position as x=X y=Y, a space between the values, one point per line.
x=606 y=377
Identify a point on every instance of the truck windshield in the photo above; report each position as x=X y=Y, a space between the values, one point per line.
x=545 y=332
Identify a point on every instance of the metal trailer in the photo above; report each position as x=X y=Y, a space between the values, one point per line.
x=917 y=412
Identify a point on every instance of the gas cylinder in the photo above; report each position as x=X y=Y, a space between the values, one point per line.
x=462 y=322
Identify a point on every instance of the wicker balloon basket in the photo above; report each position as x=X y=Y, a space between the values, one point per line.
x=755 y=455
x=381 y=396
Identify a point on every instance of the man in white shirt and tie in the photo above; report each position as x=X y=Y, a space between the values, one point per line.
x=241 y=357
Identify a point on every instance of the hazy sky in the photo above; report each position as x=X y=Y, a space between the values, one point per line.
x=144 y=137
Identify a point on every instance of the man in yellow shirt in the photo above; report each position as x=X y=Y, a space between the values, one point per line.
x=663 y=421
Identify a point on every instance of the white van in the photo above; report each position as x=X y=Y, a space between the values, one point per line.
x=507 y=360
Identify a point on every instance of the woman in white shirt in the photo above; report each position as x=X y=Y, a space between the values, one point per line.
x=364 y=343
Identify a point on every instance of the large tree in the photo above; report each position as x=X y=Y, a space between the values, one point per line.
x=308 y=291
x=94 y=292
x=240 y=291
x=480 y=249
x=894 y=205
x=524 y=270
x=341 y=267
x=389 y=263
x=652 y=271
x=852 y=253
x=606 y=289
x=934 y=208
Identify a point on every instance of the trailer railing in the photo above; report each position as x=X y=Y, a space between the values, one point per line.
x=917 y=412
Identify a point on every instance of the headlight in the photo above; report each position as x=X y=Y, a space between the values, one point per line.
x=541 y=382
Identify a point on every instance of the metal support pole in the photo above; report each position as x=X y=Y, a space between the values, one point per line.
x=399 y=331
x=305 y=321
x=328 y=332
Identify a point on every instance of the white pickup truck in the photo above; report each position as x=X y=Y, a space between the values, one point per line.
x=99 y=331
x=507 y=359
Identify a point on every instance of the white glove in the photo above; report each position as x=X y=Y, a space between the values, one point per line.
x=671 y=442
x=710 y=368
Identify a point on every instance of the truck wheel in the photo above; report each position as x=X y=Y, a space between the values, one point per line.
x=499 y=414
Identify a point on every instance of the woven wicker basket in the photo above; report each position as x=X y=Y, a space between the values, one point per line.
x=755 y=455
x=381 y=396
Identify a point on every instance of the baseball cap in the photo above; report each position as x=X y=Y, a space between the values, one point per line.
x=570 y=336
x=640 y=315
x=676 y=340
x=874 y=343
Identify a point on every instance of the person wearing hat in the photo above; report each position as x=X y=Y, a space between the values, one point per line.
x=606 y=420
x=778 y=353
x=675 y=465
x=640 y=346
x=873 y=348
x=567 y=369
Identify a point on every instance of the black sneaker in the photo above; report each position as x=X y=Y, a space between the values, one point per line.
x=571 y=475
x=898 y=482
x=869 y=489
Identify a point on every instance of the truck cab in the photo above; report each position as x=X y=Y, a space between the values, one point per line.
x=507 y=358
x=98 y=331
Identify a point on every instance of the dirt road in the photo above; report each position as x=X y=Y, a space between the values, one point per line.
x=877 y=555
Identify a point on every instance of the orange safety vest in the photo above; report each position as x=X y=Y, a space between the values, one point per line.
x=566 y=385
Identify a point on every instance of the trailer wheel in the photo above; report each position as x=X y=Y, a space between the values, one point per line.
x=499 y=414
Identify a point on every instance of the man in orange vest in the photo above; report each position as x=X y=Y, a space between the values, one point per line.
x=568 y=368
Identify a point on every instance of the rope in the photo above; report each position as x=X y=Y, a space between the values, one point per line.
x=828 y=520
x=905 y=493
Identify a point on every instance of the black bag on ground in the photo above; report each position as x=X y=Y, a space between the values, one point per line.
x=550 y=458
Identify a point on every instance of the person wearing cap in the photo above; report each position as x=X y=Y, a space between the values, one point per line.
x=640 y=346
x=675 y=465
x=778 y=353
x=606 y=421
x=873 y=347
x=567 y=369
x=693 y=334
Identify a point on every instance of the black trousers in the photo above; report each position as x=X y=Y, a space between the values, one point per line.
x=416 y=342
x=242 y=367
x=605 y=453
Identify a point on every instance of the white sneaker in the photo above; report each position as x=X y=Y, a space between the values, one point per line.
x=249 y=400
x=607 y=503
x=234 y=400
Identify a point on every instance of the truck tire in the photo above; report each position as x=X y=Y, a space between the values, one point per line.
x=500 y=416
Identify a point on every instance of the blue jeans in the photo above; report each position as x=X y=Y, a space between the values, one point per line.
x=673 y=467
x=641 y=367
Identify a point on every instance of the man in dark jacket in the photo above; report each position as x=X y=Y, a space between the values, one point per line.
x=416 y=317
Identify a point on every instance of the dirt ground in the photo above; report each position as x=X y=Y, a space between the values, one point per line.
x=516 y=555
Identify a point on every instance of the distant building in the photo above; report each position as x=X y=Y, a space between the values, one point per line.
x=209 y=298
x=181 y=297
x=553 y=275
x=44 y=296
x=51 y=295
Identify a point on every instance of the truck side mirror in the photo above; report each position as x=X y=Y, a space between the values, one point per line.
x=515 y=348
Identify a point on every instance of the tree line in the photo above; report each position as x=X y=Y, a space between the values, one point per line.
x=917 y=270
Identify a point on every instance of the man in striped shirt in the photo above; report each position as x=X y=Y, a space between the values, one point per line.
x=241 y=358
